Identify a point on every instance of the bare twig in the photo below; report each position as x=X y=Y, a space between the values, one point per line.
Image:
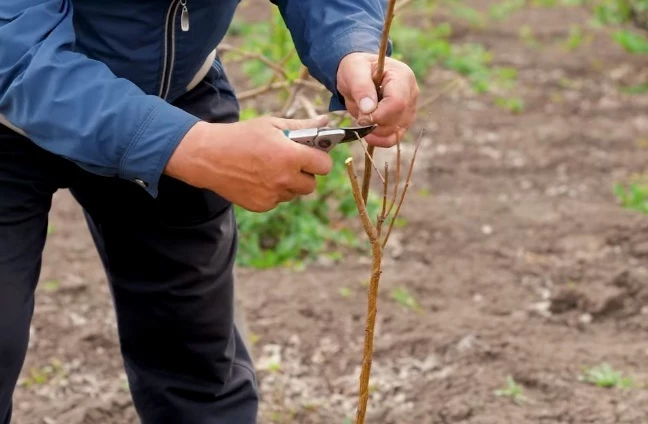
x=303 y=75
x=244 y=55
x=452 y=85
x=254 y=92
x=397 y=176
x=378 y=76
x=384 y=43
x=362 y=209
x=372 y=163
x=383 y=212
x=402 y=197
x=308 y=106
x=373 y=292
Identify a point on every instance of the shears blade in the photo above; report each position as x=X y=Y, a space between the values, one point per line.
x=327 y=138
x=353 y=133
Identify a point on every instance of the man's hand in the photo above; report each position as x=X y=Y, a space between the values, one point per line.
x=251 y=163
x=395 y=112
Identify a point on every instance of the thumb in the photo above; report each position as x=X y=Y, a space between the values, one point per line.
x=298 y=124
x=361 y=86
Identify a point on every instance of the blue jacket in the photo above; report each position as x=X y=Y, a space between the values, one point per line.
x=93 y=80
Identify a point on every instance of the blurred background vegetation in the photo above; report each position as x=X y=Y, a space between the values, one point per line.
x=317 y=225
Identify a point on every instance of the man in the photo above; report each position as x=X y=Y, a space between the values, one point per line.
x=125 y=103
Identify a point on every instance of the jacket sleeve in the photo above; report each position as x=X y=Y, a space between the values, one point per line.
x=324 y=31
x=75 y=107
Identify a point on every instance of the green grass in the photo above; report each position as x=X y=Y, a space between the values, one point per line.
x=633 y=196
x=605 y=376
x=513 y=391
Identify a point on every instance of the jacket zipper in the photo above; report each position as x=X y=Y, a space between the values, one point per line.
x=169 y=42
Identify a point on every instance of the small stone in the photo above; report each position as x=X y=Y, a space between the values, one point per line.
x=585 y=318
x=478 y=298
x=466 y=343
x=487 y=229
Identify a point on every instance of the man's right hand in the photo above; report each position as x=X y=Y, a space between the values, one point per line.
x=250 y=163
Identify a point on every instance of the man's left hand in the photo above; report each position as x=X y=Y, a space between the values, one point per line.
x=397 y=108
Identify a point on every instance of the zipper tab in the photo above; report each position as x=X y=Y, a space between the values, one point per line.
x=184 y=16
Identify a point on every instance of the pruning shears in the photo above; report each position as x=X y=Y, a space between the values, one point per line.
x=327 y=138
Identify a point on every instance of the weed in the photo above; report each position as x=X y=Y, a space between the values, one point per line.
x=512 y=104
x=469 y=14
x=297 y=231
x=528 y=37
x=575 y=38
x=635 y=89
x=634 y=196
x=51 y=285
x=403 y=297
x=605 y=376
x=513 y=391
x=632 y=41
x=504 y=9
x=345 y=292
x=43 y=375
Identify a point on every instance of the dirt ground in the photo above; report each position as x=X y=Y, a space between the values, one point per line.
x=522 y=261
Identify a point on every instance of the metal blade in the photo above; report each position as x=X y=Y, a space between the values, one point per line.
x=353 y=133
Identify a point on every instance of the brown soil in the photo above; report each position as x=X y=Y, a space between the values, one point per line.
x=520 y=258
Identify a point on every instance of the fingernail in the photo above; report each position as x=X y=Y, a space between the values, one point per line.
x=364 y=120
x=367 y=105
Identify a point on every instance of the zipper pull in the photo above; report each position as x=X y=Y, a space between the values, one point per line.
x=184 y=16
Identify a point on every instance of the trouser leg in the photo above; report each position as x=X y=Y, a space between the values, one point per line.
x=169 y=261
x=28 y=178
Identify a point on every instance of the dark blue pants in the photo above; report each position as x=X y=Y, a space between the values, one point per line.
x=169 y=264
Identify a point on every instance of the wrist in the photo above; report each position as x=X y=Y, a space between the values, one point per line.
x=185 y=162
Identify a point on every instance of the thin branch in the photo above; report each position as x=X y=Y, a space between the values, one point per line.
x=308 y=106
x=452 y=85
x=382 y=216
x=362 y=210
x=407 y=182
x=398 y=170
x=372 y=308
x=303 y=75
x=254 y=92
x=372 y=163
x=384 y=43
x=254 y=55
x=378 y=76
x=366 y=177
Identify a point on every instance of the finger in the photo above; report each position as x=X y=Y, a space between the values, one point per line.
x=297 y=124
x=285 y=196
x=314 y=161
x=359 y=80
x=303 y=184
x=396 y=100
x=386 y=141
